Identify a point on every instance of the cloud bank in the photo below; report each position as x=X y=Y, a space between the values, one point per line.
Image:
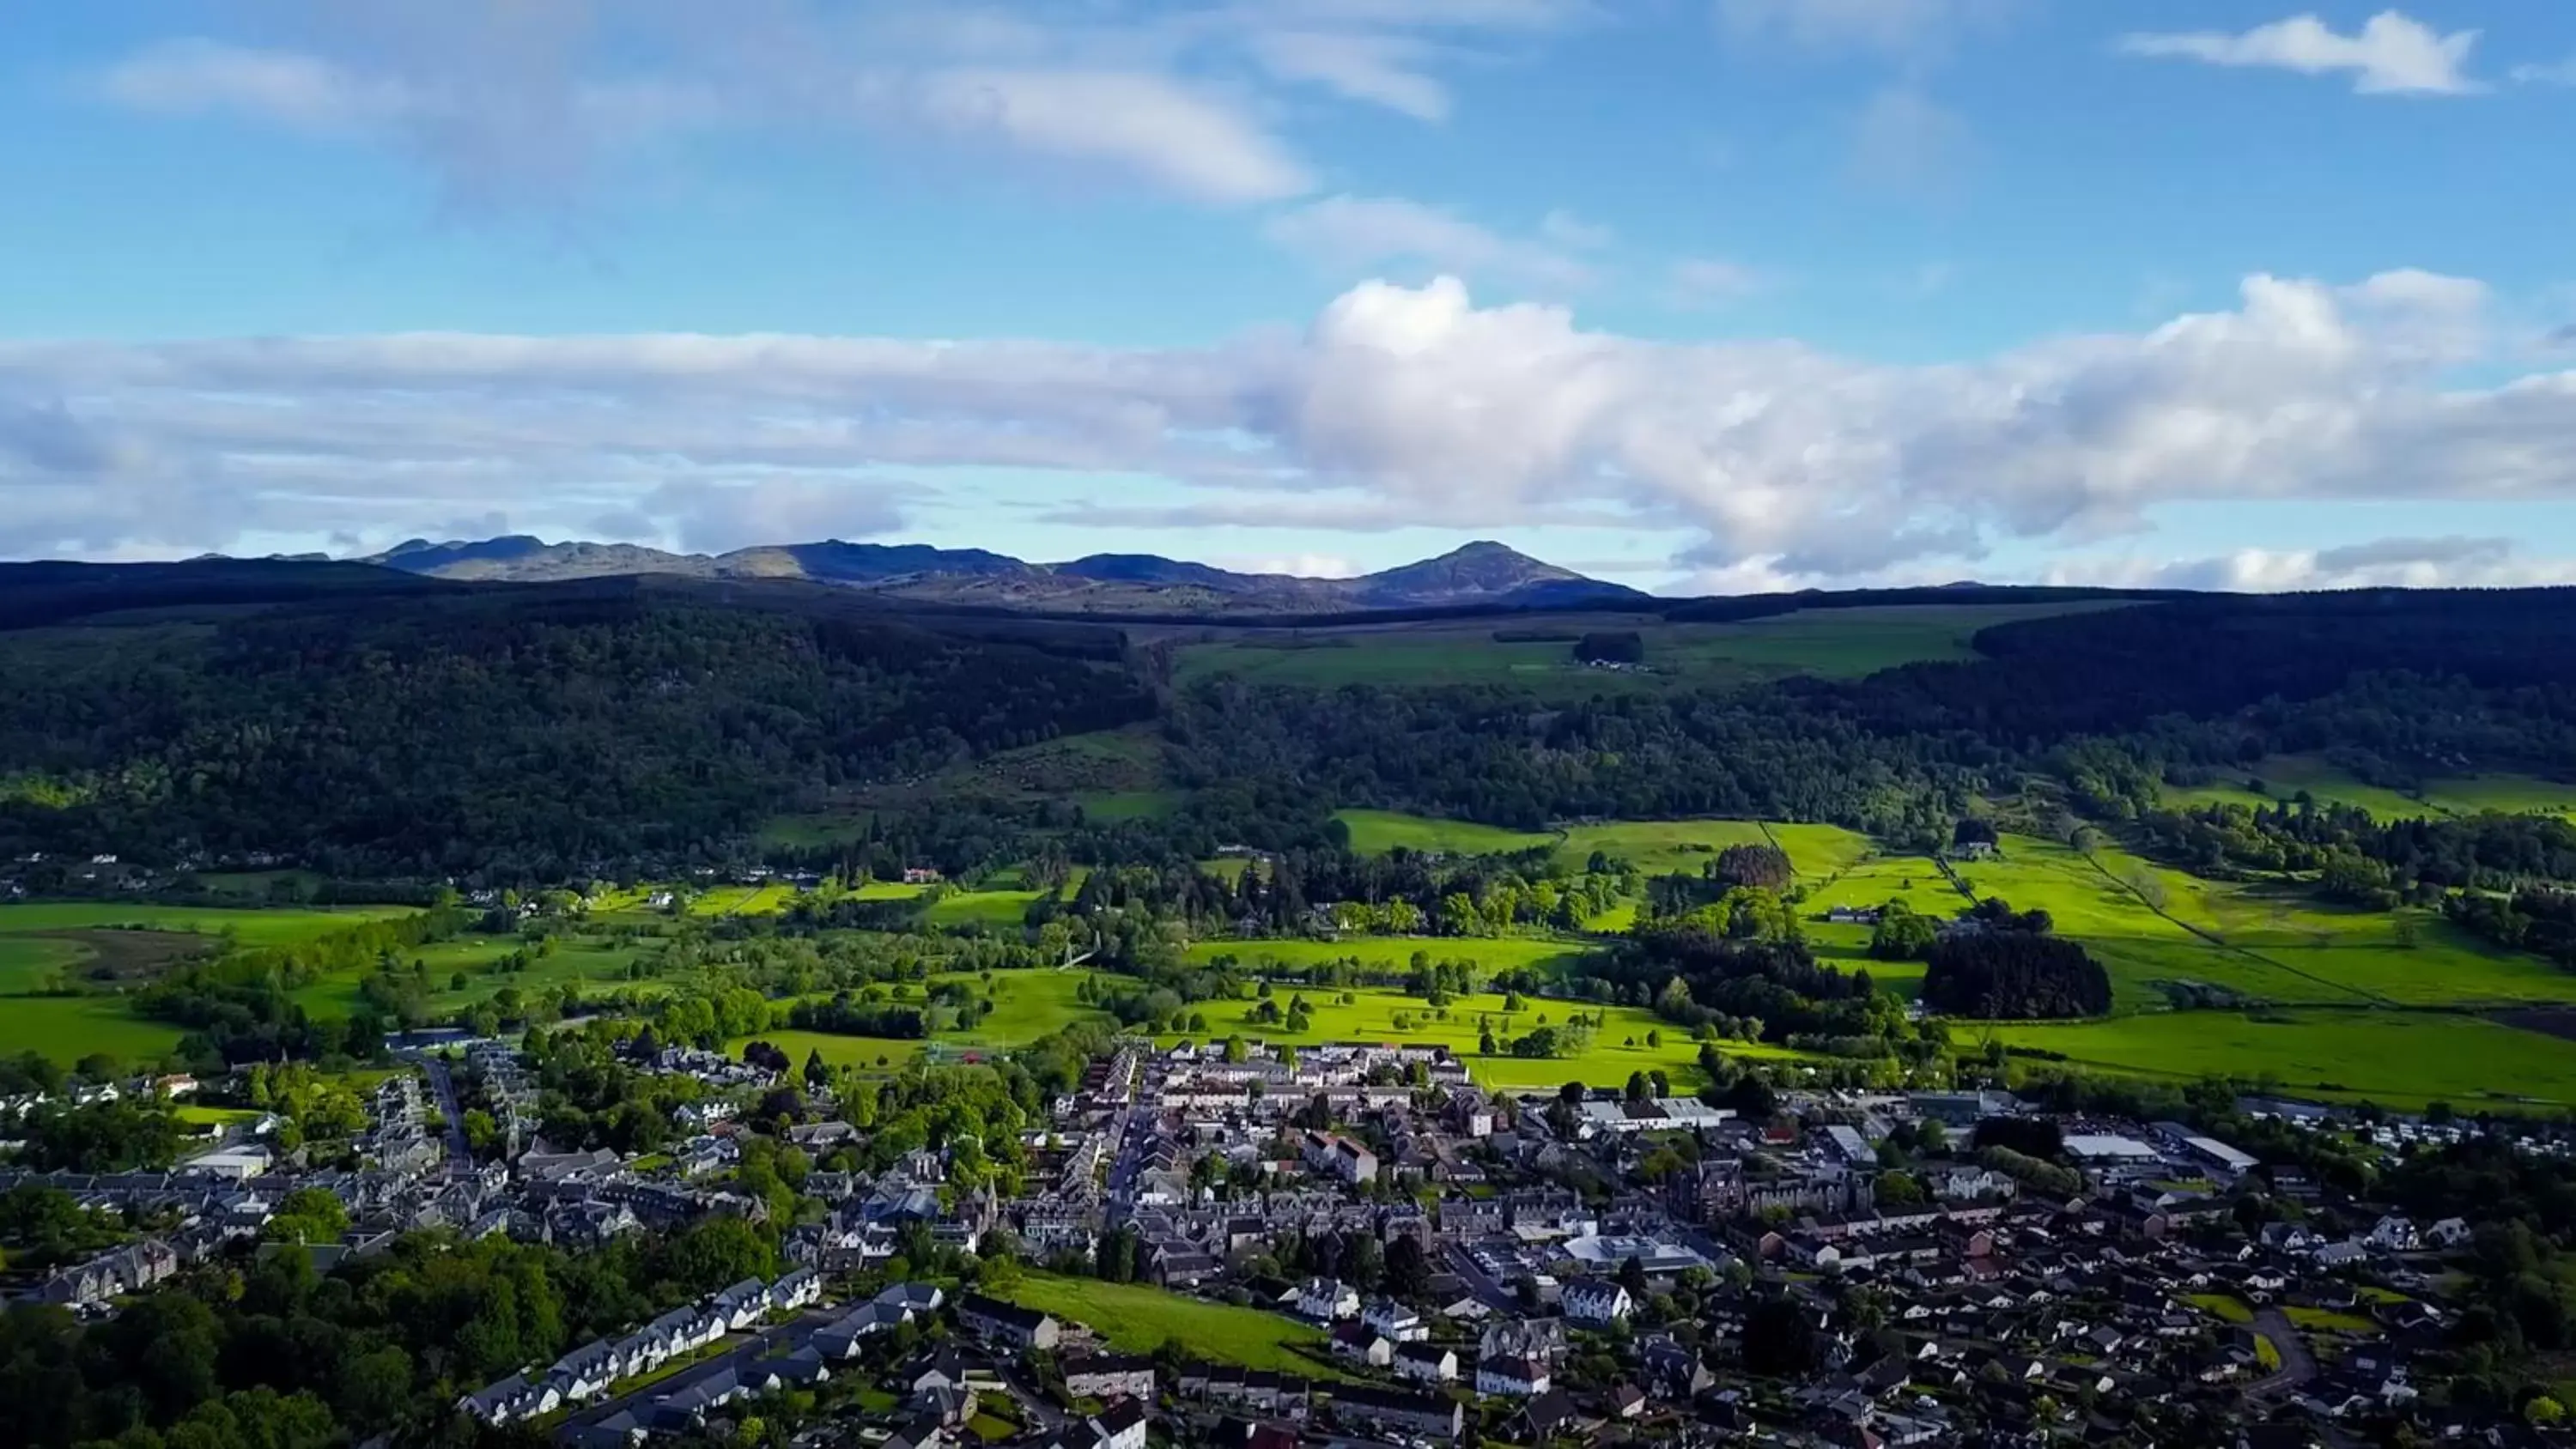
x=1397 y=406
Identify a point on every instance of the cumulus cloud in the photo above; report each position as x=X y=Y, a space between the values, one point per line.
x=1397 y=406
x=2392 y=53
x=1358 y=233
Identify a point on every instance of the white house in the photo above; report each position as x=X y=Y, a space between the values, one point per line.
x=1328 y=1300
x=1520 y=1378
x=2394 y=1234
x=1598 y=1301
x=2448 y=1233
x=1427 y=1363
x=1396 y=1321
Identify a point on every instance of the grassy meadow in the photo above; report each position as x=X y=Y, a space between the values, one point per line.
x=2284 y=777
x=1536 y=653
x=1375 y=832
x=2398 y=1058
x=1139 y=1319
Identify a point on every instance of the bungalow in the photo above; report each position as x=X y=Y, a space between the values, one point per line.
x=1522 y=1378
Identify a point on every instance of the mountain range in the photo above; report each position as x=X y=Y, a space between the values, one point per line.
x=1478 y=573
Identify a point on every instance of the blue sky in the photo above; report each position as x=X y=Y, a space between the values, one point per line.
x=1698 y=294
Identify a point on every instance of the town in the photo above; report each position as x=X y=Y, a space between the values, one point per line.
x=1355 y=1244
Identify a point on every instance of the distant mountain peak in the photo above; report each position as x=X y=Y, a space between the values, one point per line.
x=1479 y=572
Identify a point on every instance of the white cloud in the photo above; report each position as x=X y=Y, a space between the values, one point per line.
x=1383 y=70
x=1900 y=28
x=1301 y=565
x=2408 y=563
x=1712 y=282
x=1905 y=142
x=1398 y=406
x=2392 y=53
x=1149 y=126
x=706 y=516
x=523 y=105
x=1358 y=233
x=2561 y=74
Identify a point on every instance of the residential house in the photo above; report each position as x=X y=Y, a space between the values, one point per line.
x=994 y=1321
x=1426 y=1363
x=1598 y=1303
x=1520 y=1378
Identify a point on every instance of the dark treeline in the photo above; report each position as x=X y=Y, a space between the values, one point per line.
x=2415 y=857
x=2013 y=974
x=2538 y=919
x=445 y=733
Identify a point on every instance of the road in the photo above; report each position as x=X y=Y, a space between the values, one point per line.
x=2298 y=1366
x=460 y=1158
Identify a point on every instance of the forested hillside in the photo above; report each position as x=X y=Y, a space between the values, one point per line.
x=547 y=727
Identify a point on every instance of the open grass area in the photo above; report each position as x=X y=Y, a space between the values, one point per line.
x=250 y=927
x=2284 y=777
x=1631 y=1040
x=2327 y=1320
x=1658 y=847
x=1110 y=807
x=67 y=1028
x=2399 y=1058
x=2225 y=1306
x=1536 y=652
x=1491 y=955
x=995 y=909
x=1375 y=832
x=28 y=963
x=1026 y=1005
x=591 y=962
x=1139 y=1319
x=860 y=1052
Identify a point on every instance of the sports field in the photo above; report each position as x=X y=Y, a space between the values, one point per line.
x=1138 y=1319
x=1536 y=652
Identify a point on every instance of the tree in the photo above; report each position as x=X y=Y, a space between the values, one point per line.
x=1779 y=1342
x=817 y=1074
x=1408 y=1268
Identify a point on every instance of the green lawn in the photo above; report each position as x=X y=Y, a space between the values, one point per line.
x=999 y=910
x=251 y=927
x=1026 y=1005
x=590 y=961
x=1658 y=847
x=2400 y=1058
x=840 y=1051
x=1138 y=1319
x=1110 y=807
x=1375 y=832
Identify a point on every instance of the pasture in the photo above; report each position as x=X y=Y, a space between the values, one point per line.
x=2400 y=1058
x=1657 y=847
x=590 y=962
x=67 y=1028
x=2284 y=777
x=29 y=963
x=859 y=1053
x=1375 y=832
x=1138 y=1319
x=1535 y=652
x=1491 y=955
x=279 y=927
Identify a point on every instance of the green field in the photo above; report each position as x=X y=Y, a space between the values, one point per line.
x=1536 y=652
x=1395 y=953
x=250 y=927
x=67 y=1028
x=2284 y=777
x=1138 y=1319
x=1370 y=1017
x=993 y=910
x=1110 y=807
x=2399 y=1058
x=1375 y=832
x=589 y=962
x=841 y=1051
x=27 y=963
